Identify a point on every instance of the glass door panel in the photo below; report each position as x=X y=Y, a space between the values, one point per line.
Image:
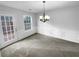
x=7 y=27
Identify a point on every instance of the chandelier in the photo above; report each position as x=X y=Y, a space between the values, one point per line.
x=44 y=17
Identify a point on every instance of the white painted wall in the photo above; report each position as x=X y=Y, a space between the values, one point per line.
x=19 y=23
x=63 y=23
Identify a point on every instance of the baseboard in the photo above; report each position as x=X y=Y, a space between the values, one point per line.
x=60 y=38
x=15 y=41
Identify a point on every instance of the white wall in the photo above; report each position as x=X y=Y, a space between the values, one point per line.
x=19 y=23
x=63 y=23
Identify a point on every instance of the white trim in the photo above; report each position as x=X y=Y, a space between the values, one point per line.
x=5 y=43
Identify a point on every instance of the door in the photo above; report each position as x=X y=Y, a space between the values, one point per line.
x=8 y=31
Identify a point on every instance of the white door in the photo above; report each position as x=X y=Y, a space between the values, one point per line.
x=8 y=31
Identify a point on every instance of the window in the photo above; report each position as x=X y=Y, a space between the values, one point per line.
x=27 y=22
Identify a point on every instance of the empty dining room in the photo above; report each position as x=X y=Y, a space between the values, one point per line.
x=39 y=28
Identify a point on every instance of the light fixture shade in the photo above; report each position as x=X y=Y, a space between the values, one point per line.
x=47 y=17
x=41 y=17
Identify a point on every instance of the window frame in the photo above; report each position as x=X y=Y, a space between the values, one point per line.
x=27 y=23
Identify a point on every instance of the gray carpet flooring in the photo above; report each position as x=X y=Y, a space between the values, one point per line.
x=39 y=45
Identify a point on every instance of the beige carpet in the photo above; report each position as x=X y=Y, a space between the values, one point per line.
x=41 y=46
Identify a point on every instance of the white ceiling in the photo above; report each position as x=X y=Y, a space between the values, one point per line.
x=37 y=6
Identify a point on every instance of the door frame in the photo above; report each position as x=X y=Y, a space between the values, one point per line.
x=3 y=44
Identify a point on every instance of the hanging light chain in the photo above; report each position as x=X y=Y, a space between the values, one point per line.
x=44 y=9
